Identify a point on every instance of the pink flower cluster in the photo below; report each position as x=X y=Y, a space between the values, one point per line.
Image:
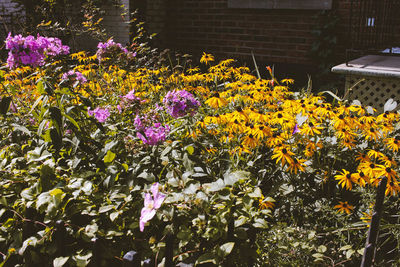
x=111 y=48
x=180 y=103
x=32 y=51
x=74 y=76
x=101 y=114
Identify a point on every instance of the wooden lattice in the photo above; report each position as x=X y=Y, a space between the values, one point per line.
x=373 y=91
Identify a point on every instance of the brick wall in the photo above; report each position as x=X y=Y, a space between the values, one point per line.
x=156 y=18
x=273 y=35
x=10 y=17
x=276 y=36
x=116 y=21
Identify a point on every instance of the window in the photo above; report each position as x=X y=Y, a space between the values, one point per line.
x=281 y=4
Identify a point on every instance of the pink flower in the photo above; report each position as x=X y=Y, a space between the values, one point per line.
x=151 y=204
x=101 y=114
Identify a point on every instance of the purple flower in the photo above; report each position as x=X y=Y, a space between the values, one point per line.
x=130 y=101
x=151 y=204
x=154 y=135
x=32 y=51
x=180 y=103
x=137 y=122
x=295 y=129
x=74 y=76
x=109 y=48
x=101 y=114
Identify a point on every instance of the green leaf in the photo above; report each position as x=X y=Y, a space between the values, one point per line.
x=318 y=255
x=56 y=138
x=233 y=177
x=345 y=247
x=60 y=261
x=109 y=157
x=57 y=195
x=114 y=215
x=322 y=249
x=106 y=208
x=40 y=86
x=206 y=258
x=349 y=253
x=70 y=119
x=256 y=194
x=8 y=223
x=190 y=150
x=56 y=117
x=46 y=177
x=227 y=248
x=21 y=128
x=5 y=104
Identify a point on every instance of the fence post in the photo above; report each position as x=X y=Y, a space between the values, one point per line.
x=131 y=259
x=370 y=245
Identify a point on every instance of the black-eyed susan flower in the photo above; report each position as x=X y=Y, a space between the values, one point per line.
x=371 y=133
x=392 y=188
x=205 y=58
x=345 y=179
x=343 y=207
x=266 y=203
x=374 y=154
x=370 y=169
x=311 y=129
x=359 y=178
x=216 y=101
x=296 y=165
x=393 y=143
x=283 y=154
x=388 y=172
x=249 y=141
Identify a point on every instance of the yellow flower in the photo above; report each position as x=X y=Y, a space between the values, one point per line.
x=216 y=102
x=393 y=143
x=343 y=207
x=297 y=164
x=249 y=141
x=369 y=168
x=283 y=154
x=205 y=58
x=359 y=178
x=386 y=171
x=392 y=188
x=345 y=179
x=266 y=203
x=311 y=129
x=371 y=134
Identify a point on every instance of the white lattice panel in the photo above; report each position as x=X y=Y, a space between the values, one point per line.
x=373 y=91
